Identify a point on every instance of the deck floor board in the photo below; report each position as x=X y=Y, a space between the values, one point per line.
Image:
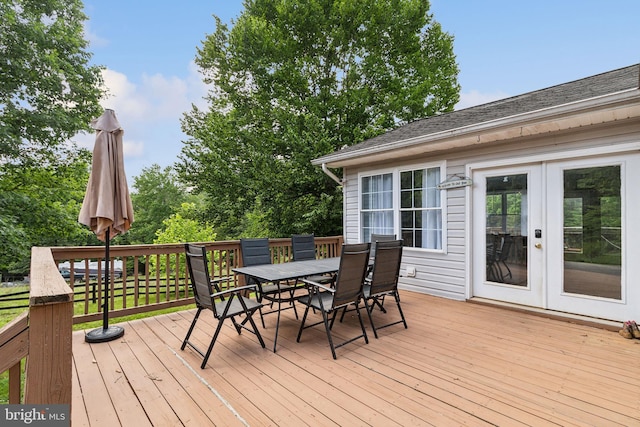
x=458 y=363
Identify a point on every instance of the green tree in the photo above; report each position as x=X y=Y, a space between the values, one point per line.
x=181 y=227
x=39 y=205
x=48 y=93
x=14 y=246
x=292 y=81
x=48 y=90
x=157 y=195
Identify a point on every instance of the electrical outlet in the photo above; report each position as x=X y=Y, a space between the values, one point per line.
x=411 y=272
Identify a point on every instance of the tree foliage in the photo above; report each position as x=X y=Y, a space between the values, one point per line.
x=40 y=205
x=48 y=90
x=181 y=227
x=157 y=195
x=48 y=93
x=292 y=81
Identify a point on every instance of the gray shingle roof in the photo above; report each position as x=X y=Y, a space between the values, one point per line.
x=589 y=87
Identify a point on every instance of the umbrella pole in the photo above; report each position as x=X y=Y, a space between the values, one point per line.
x=107 y=283
x=106 y=333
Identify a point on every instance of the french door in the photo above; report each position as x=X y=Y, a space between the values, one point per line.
x=508 y=235
x=594 y=228
x=557 y=235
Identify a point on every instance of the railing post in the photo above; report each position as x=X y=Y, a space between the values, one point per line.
x=14 y=346
x=49 y=364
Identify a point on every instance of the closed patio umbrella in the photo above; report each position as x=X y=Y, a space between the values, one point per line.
x=107 y=207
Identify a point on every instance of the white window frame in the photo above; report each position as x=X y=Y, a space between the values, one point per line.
x=395 y=172
x=360 y=196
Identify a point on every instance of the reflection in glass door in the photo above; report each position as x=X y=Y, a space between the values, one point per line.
x=507 y=258
x=506 y=229
x=593 y=232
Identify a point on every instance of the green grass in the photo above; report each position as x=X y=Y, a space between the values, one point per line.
x=93 y=307
x=7 y=315
x=4 y=384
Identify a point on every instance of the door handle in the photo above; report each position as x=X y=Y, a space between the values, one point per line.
x=538 y=245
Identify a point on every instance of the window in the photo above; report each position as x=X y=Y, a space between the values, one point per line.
x=376 y=214
x=420 y=208
x=405 y=203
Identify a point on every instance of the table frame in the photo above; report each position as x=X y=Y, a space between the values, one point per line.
x=286 y=271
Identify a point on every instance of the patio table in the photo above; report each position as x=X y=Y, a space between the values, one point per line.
x=276 y=273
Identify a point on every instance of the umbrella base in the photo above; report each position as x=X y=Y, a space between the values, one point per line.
x=103 y=335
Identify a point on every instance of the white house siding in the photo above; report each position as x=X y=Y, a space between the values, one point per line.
x=437 y=273
x=447 y=274
x=351 y=216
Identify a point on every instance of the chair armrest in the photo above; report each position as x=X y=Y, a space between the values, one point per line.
x=233 y=291
x=318 y=285
x=215 y=282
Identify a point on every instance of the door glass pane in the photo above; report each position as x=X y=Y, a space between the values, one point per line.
x=506 y=227
x=593 y=232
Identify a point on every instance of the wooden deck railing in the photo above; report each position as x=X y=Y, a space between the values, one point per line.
x=14 y=341
x=42 y=335
x=153 y=277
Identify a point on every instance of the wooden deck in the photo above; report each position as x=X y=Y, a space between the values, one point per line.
x=457 y=364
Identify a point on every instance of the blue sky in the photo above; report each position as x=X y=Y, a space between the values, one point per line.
x=503 y=48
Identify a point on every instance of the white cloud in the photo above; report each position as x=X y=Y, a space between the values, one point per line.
x=123 y=96
x=157 y=98
x=472 y=98
x=157 y=102
x=149 y=113
x=132 y=148
x=93 y=38
x=167 y=97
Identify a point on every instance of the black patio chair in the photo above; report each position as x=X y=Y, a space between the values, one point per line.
x=347 y=290
x=375 y=238
x=256 y=252
x=303 y=247
x=384 y=281
x=228 y=304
